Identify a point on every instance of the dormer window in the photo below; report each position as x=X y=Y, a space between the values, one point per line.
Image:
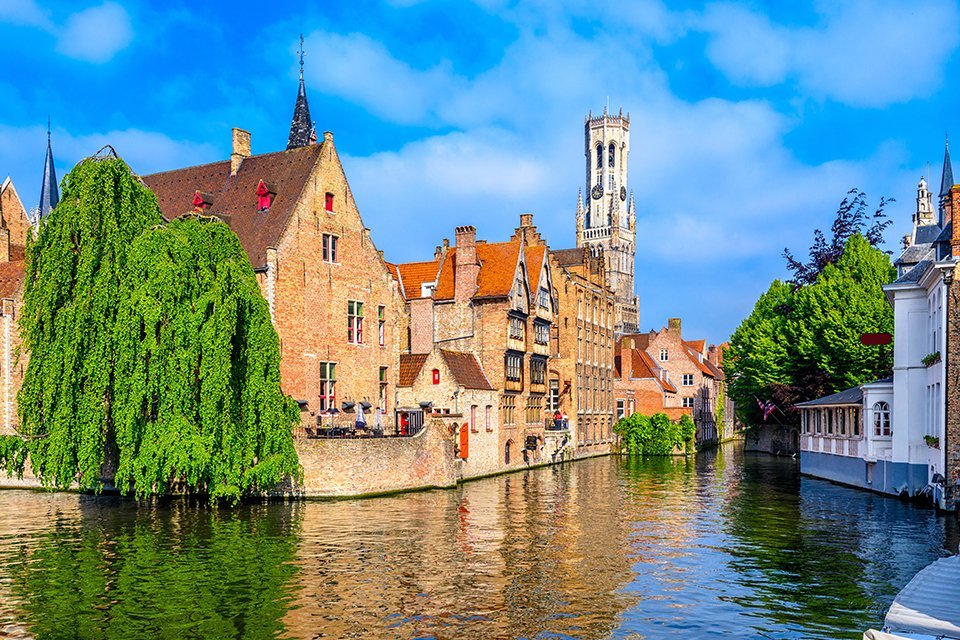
x=265 y=195
x=202 y=201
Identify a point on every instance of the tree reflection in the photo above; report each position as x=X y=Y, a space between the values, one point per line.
x=161 y=572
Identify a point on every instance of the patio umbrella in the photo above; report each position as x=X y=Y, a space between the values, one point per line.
x=361 y=419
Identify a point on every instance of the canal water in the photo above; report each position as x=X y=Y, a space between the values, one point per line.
x=725 y=545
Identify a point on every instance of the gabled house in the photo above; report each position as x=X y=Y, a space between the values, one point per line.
x=333 y=300
x=493 y=300
x=14 y=227
x=641 y=385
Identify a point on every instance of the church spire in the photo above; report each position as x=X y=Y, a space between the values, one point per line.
x=49 y=195
x=301 y=128
x=946 y=179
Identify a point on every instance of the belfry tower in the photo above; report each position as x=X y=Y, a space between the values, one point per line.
x=607 y=222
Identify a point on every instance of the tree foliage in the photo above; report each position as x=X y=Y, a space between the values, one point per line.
x=801 y=343
x=152 y=358
x=654 y=435
x=851 y=219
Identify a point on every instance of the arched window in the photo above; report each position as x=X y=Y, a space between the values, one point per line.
x=506 y=452
x=612 y=154
x=881 y=419
x=599 y=156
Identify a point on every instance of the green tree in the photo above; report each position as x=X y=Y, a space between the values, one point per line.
x=153 y=361
x=654 y=435
x=803 y=342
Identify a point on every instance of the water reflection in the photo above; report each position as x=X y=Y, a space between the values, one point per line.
x=725 y=544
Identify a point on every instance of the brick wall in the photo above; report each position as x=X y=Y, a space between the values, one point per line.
x=310 y=297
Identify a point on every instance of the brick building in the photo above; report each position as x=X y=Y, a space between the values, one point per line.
x=493 y=300
x=335 y=305
x=456 y=387
x=582 y=370
x=14 y=227
x=641 y=385
x=684 y=364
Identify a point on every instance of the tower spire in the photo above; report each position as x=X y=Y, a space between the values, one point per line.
x=946 y=178
x=49 y=194
x=301 y=127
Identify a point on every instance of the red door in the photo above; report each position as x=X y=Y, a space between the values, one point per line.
x=464 y=440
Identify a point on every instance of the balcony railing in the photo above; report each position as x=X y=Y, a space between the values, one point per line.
x=555 y=425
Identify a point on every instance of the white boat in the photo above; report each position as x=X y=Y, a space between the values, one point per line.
x=928 y=608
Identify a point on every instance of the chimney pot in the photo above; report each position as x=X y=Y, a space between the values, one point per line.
x=526 y=220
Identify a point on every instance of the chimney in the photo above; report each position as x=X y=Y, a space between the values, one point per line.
x=5 y=245
x=241 y=149
x=954 y=206
x=906 y=241
x=673 y=326
x=421 y=325
x=526 y=220
x=467 y=268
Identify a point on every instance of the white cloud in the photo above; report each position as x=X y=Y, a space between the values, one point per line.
x=145 y=152
x=362 y=70
x=864 y=53
x=24 y=12
x=96 y=34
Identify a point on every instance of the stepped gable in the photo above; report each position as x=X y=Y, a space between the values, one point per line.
x=235 y=196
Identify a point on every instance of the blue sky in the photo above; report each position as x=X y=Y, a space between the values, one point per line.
x=749 y=122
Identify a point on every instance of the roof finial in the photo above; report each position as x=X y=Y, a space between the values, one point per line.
x=48 y=129
x=301 y=56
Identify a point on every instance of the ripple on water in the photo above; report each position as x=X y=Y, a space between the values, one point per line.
x=726 y=544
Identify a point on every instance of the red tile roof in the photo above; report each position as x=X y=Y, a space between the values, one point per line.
x=643 y=366
x=498 y=265
x=535 y=265
x=410 y=365
x=701 y=364
x=466 y=370
x=696 y=345
x=414 y=274
x=11 y=276
x=235 y=197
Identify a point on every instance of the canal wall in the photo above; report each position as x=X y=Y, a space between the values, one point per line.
x=778 y=439
x=882 y=476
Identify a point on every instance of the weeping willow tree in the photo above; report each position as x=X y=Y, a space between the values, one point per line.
x=198 y=368
x=152 y=359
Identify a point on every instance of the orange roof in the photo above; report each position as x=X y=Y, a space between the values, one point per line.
x=643 y=366
x=414 y=274
x=11 y=277
x=392 y=268
x=466 y=370
x=410 y=365
x=498 y=265
x=701 y=364
x=535 y=265
x=696 y=345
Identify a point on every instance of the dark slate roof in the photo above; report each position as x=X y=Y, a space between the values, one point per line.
x=927 y=233
x=853 y=395
x=946 y=235
x=913 y=275
x=235 y=197
x=946 y=178
x=301 y=128
x=568 y=257
x=466 y=370
x=49 y=195
x=913 y=254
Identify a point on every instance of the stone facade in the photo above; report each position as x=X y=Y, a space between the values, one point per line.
x=469 y=400
x=607 y=223
x=14 y=227
x=581 y=376
x=334 y=302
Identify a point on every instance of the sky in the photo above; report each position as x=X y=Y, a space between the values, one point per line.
x=749 y=120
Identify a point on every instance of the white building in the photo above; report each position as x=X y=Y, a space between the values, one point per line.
x=898 y=449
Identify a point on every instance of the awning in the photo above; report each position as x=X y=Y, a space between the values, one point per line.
x=929 y=603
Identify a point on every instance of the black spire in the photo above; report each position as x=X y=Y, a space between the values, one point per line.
x=946 y=180
x=49 y=195
x=301 y=129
